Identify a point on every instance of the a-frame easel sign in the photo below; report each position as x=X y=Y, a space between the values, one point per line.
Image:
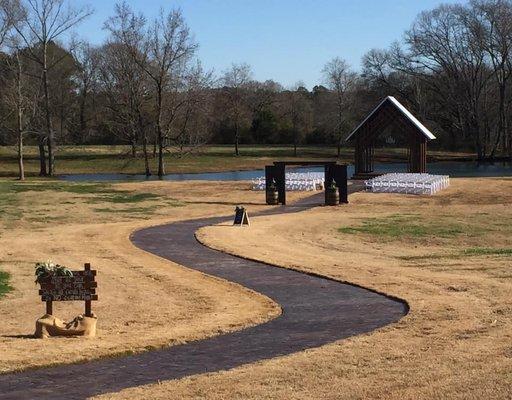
x=241 y=217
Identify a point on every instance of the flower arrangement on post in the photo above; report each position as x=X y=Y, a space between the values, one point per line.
x=272 y=195
x=48 y=268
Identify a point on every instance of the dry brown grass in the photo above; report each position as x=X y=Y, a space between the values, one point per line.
x=456 y=342
x=167 y=304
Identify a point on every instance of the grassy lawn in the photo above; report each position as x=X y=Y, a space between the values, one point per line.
x=407 y=226
x=102 y=197
x=448 y=256
x=117 y=159
x=446 y=229
x=145 y=301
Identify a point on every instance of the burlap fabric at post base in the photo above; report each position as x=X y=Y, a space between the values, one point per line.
x=49 y=325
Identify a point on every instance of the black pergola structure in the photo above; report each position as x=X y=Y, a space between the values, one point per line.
x=334 y=172
x=389 y=112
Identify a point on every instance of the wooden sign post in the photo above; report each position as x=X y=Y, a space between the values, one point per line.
x=79 y=287
x=241 y=217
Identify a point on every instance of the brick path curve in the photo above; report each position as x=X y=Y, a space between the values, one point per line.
x=316 y=311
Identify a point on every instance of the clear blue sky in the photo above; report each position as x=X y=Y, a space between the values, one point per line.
x=284 y=40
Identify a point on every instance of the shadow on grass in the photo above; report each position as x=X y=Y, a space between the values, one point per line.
x=20 y=336
x=225 y=203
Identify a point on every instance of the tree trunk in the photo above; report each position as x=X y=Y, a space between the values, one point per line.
x=83 y=122
x=19 y=122
x=145 y=151
x=237 y=152
x=19 y=127
x=161 y=167
x=62 y=117
x=42 y=157
x=480 y=152
x=501 y=121
x=48 y=119
x=21 y=168
x=134 y=147
x=144 y=135
x=340 y=123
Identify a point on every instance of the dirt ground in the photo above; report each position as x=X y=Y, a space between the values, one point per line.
x=449 y=256
x=144 y=301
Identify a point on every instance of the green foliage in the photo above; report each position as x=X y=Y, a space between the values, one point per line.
x=264 y=127
x=48 y=268
x=4 y=283
x=12 y=187
x=125 y=197
x=402 y=226
x=129 y=210
x=483 y=251
x=471 y=252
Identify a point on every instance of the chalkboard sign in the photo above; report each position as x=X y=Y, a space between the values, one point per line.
x=241 y=217
x=79 y=287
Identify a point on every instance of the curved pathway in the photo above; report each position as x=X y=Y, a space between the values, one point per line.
x=316 y=311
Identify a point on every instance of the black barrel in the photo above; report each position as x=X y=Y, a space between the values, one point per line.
x=272 y=197
x=332 y=197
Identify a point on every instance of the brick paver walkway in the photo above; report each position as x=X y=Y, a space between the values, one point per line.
x=316 y=311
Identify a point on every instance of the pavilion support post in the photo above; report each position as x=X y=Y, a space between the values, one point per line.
x=340 y=176
x=49 y=307
x=88 y=311
x=328 y=178
x=280 y=178
x=368 y=162
x=410 y=161
x=418 y=155
x=423 y=156
x=358 y=157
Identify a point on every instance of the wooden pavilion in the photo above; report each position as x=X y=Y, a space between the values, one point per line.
x=389 y=112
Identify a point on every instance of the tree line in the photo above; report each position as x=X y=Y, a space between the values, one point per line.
x=144 y=86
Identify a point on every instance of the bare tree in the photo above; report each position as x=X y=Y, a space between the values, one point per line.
x=441 y=53
x=491 y=25
x=127 y=98
x=40 y=23
x=15 y=82
x=297 y=110
x=162 y=50
x=191 y=111
x=340 y=80
x=86 y=59
x=236 y=81
x=19 y=102
x=9 y=13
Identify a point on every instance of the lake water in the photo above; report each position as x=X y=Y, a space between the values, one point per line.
x=452 y=168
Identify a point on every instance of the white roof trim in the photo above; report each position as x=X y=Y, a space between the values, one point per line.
x=404 y=111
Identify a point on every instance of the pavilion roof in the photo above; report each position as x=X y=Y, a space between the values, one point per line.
x=401 y=111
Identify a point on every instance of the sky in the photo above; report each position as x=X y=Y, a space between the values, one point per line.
x=284 y=40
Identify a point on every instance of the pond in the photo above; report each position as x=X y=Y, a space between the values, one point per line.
x=452 y=168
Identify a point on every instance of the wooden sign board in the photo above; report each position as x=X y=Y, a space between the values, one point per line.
x=79 y=287
x=241 y=217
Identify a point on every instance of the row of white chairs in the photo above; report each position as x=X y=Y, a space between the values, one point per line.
x=296 y=181
x=408 y=183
